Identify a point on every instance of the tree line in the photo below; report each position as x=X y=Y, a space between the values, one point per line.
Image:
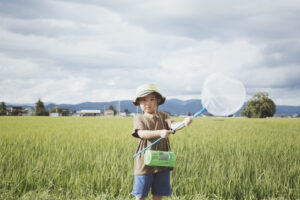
x=260 y=106
x=39 y=109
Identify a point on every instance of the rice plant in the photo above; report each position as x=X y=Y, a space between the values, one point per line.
x=91 y=158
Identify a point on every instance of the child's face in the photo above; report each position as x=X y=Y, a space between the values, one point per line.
x=148 y=104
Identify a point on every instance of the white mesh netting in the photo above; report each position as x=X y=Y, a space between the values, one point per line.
x=222 y=96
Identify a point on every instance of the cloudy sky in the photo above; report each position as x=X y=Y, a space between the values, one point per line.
x=75 y=51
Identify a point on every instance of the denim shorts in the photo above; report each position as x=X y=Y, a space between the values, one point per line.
x=158 y=182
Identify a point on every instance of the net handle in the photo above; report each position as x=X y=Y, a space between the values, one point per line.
x=177 y=127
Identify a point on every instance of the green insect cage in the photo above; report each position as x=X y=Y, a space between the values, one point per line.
x=159 y=158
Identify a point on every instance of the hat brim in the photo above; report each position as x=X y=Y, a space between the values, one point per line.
x=161 y=98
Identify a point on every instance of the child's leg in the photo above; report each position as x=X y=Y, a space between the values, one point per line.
x=161 y=185
x=139 y=198
x=142 y=184
x=157 y=197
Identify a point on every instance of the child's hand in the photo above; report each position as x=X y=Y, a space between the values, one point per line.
x=165 y=133
x=187 y=121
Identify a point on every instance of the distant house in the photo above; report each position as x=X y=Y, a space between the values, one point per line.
x=77 y=113
x=27 y=112
x=60 y=112
x=19 y=111
x=109 y=113
x=14 y=111
x=123 y=114
x=91 y=113
x=54 y=115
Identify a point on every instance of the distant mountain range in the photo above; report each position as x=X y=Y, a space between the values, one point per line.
x=173 y=106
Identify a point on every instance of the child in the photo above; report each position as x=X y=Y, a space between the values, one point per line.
x=148 y=127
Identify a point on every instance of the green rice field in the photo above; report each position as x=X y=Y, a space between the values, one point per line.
x=91 y=158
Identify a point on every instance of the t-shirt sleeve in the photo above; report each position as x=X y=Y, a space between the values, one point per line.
x=138 y=124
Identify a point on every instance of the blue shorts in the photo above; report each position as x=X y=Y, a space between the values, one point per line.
x=158 y=182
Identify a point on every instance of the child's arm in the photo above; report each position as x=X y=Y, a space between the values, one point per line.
x=187 y=121
x=148 y=134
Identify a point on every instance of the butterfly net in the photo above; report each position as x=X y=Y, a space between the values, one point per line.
x=222 y=95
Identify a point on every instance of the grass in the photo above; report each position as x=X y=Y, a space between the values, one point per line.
x=91 y=158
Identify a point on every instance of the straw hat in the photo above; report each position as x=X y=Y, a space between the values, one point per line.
x=146 y=89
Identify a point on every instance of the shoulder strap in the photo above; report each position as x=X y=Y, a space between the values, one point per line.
x=147 y=128
x=164 y=125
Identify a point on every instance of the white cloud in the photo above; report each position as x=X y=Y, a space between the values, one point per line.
x=75 y=51
x=281 y=96
x=187 y=68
